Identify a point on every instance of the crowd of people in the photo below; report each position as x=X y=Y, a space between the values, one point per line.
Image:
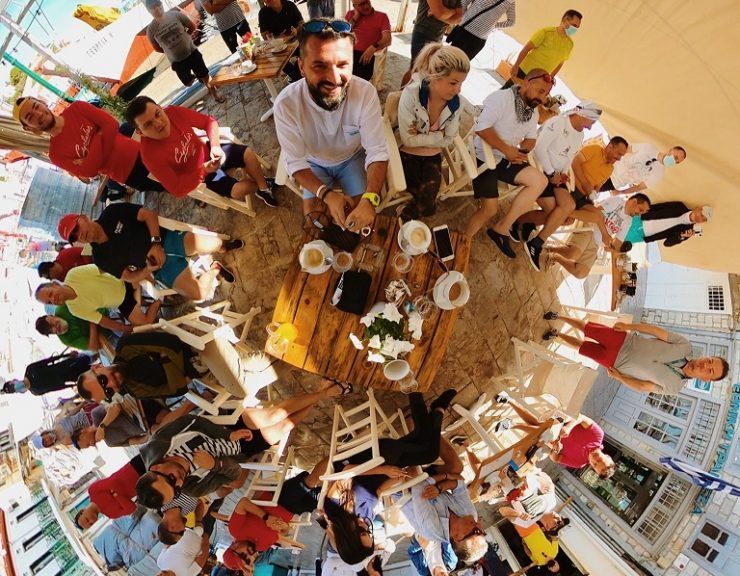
x=329 y=127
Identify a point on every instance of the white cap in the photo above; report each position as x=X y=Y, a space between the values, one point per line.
x=707 y=212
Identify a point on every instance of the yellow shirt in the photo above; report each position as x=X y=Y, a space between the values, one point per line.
x=538 y=547
x=94 y=289
x=550 y=49
x=596 y=168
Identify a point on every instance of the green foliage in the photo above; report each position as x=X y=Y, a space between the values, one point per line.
x=17 y=76
x=112 y=104
x=383 y=327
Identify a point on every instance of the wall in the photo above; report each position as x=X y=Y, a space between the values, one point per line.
x=681 y=289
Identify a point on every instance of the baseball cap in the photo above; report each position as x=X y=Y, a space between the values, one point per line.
x=231 y=560
x=707 y=212
x=18 y=106
x=67 y=224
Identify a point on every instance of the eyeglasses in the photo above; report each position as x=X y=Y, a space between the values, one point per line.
x=170 y=478
x=474 y=532
x=318 y=26
x=546 y=77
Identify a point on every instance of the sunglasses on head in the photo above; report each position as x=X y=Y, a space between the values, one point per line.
x=546 y=77
x=318 y=26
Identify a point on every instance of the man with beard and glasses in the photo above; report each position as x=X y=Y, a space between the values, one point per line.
x=86 y=141
x=508 y=124
x=330 y=128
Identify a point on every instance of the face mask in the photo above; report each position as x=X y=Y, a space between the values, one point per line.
x=669 y=160
x=571 y=30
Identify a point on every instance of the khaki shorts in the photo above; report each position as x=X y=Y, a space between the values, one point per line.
x=586 y=243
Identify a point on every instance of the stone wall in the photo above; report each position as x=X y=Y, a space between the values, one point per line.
x=693 y=320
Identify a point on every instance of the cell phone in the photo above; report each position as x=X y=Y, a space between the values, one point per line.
x=443 y=243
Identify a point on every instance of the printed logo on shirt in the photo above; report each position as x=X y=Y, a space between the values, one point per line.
x=86 y=134
x=119 y=228
x=184 y=150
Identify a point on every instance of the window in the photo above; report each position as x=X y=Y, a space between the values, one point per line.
x=658 y=429
x=663 y=511
x=700 y=433
x=41 y=563
x=673 y=405
x=717 y=548
x=716 y=297
x=32 y=541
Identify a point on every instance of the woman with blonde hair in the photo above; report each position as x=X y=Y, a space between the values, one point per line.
x=428 y=120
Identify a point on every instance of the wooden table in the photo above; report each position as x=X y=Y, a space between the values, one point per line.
x=323 y=345
x=269 y=67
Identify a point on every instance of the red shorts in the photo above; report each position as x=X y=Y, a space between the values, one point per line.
x=608 y=342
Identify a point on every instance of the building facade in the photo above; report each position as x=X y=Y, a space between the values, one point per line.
x=654 y=518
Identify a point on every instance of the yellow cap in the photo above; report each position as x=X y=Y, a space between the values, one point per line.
x=18 y=106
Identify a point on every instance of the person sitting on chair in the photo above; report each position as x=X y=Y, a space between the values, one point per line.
x=372 y=30
x=592 y=167
x=181 y=161
x=67 y=259
x=72 y=331
x=282 y=19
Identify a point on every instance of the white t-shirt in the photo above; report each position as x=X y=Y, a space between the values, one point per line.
x=180 y=557
x=307 y=132
x=641 y=164
x=617 y=221
x=499 y=113
x=557 y=144
x=651 y=227
x=550 y=501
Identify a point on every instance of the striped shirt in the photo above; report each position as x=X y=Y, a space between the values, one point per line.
x=197 y=441
x=185 y=503
x=229 y=17
x=483 y=25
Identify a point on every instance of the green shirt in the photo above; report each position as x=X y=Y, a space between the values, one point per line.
x=78 y=332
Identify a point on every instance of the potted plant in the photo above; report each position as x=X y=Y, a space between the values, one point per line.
x=387 y=332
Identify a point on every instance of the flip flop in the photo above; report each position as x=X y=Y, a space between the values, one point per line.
x=345 y=387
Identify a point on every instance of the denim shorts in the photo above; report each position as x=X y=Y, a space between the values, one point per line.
x=350 y=175
x=176 y=260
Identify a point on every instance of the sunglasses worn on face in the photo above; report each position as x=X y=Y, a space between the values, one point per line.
x=474 y=532
x=103 y=381
x=546 y=77
x=318 y=26
x=171 y=480
x=74 y=233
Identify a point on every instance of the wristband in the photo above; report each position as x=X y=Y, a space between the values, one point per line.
x=265 y=517
x=319 y=193
x=373 y=198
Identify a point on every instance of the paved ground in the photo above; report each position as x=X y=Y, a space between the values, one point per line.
x=508 y=298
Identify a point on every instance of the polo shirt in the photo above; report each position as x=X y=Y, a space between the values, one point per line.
x=71 y=257
x=95 y=289
x=180 y=557
x=114 y=495
x=78 y=330
x=578 y=444
x=121 y=430
x=277 y=23
x=128 y=241
x=250 y=527
x=177 y=161
x=369 y=29
x=557 y=144
x=499 y=113
x=595 y=167
x=90 y=144
x=308 y=133
x=550 y=49
x=172 y=35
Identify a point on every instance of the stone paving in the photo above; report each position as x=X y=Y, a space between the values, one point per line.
x=508 y=297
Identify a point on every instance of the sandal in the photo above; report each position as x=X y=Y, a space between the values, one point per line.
x=344 y=386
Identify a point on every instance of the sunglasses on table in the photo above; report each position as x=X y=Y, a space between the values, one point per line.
x=546 y=77
x=318 y=26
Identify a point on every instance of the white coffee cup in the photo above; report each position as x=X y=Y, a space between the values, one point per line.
x=313 y=257
x=396 y=370
x=451 y=291
x=278 y=45
x=414 y=237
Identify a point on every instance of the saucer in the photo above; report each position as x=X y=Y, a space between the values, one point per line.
x=246 y=69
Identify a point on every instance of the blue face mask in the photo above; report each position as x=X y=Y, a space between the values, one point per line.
x=571 y=30
x=669 y=160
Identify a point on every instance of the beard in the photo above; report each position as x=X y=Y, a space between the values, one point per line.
x=532 y=102
x=50 y=124
x=329 y=103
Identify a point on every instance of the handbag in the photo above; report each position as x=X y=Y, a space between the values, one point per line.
x=455 y=32
x=351 y=292
x=330 y=232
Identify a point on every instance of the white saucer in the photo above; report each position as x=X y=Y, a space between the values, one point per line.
x=276 y=50
x=247 y=69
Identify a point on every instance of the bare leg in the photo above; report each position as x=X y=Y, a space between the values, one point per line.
x=262 y=417
x=572 y=267
x=527 y=428
x=201 y=244
x=571 y=341
x=564 y=205
x=275 y=433
x=577 y=323
x=195 y=288
x=487 y=209
x=523 y=413
x=243 y=188
x=313 y=480
x=253 y=167
x=534 y=183
x=212 y=89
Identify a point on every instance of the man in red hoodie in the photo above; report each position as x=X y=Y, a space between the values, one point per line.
x=86 y=141
x=181 y=161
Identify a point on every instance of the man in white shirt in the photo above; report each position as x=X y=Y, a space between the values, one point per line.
x=641 y=168
x=673 y=222
x=559 y=140
x=187 y=557
x=330 y=128
x=508 y=124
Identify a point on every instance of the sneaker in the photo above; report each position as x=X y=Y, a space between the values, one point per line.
x=234 y=244
x=267 y=197
x=224 y=273
x=515 y=232
x=501 y=425
x=527 y=230
x=502 y=397
x=550 y=334
x=502 y=242
x=550 y=315
x=458 y=440
x=534 y=249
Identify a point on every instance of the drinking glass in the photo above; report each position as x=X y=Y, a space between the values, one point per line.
x=423 y=306
x=408 y=384
x=402 y=262
x=342 y=262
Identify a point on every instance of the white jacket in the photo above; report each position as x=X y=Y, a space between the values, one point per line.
x=412 y=112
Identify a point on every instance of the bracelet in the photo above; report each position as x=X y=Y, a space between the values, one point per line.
x=318 y=193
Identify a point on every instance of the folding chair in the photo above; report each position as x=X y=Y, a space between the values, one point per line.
x=378 y=79
x=268 y=476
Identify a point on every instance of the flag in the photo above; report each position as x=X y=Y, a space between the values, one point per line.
x=701 y=477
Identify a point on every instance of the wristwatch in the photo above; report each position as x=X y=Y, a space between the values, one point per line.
x=156 y=240
x=373 y=198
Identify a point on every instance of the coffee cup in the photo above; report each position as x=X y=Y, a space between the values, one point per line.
x=451 y=291
x=414 y=237
x=396 y=370
x=313 y=257
x=278 y=45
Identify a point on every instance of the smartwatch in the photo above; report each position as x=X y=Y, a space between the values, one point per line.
x=156 y=240
x=373 y=198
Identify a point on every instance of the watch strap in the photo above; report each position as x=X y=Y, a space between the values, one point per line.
x=373 y=198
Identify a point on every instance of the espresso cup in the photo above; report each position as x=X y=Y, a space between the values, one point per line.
x=414 y=237
x=342 y=262
x=313 y=257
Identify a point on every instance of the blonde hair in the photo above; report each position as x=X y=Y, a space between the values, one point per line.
x=437 y=61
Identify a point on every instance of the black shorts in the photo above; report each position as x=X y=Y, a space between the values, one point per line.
x=485 y=185
x=220 y=182
x=256 y=445
x=581 y=199
x=151 y=407
x=129 y=301
x=192 y=67
x=298 y=498
x=550 y=190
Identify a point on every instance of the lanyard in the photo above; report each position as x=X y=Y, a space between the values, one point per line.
x=677 y=365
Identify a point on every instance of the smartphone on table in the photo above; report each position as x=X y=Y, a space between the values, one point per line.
x=443 y=243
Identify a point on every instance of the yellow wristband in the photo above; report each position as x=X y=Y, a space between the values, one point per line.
x=373 y=198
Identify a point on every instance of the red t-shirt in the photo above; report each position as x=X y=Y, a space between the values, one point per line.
x=90 y=144
x=578 y=444
x=177 y=161
x=252 y=528
x=114 y=495
x=70 y=258
x=369 y=29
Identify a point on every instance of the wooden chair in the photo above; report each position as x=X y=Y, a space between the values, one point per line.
x=268 y=475
x=378 y=79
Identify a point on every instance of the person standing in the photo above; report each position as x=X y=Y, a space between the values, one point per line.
x=230 y=20
x=320 y=9
x=480 y=19
x=641 y=168
x=372 y=30
x=52 y=374
x=548 y=48
x=673 y=222
x=170 y=33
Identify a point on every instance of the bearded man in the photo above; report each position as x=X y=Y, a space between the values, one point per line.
x=330 y=128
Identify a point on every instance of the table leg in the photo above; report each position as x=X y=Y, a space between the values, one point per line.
x=272 y=90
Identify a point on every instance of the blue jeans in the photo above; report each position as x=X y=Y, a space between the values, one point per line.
x=350 y=175
x=416 y=555
x=319 y=8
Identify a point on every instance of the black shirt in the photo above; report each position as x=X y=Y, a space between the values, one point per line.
x=55 y=373
x=279 y=22
x=128 y=241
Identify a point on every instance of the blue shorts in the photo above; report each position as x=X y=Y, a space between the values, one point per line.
x=350 y=175
x=176 y=261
